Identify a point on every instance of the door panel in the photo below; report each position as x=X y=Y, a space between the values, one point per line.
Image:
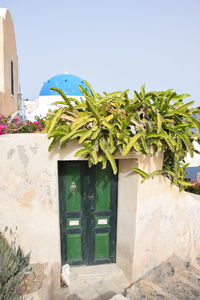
x=102 y=188
x=71 y=214
x=73 y=198
x=103 y=231
x=102 y=246
x=74 y=247
x=88 y=202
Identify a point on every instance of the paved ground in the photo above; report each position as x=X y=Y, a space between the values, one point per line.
x=94 y=283
x=174 y=279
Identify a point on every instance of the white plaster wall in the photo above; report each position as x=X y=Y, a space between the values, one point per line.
x=167 y=222
x=155 y=220
x=126 y=214
x=29 y=201
x=28 y=197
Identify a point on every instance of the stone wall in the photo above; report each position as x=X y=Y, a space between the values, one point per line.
x=154 y=221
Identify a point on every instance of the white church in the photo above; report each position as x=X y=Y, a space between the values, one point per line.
x=66 y=82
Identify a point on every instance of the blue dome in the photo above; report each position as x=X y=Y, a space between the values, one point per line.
x=68 y=83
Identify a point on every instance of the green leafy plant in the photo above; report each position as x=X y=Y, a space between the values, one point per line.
x=14 y=267
x=149 y=122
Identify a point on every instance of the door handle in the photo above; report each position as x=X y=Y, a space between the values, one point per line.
x=73 y=187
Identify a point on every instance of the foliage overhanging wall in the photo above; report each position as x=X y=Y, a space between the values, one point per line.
x=149 y=122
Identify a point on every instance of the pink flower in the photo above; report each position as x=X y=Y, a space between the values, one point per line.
x=3 y=129
x=36 y=122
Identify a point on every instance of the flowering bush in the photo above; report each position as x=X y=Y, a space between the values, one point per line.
x=194 y=188
x=15 y=125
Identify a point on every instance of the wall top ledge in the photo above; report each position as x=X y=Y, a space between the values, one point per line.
x=29 y=138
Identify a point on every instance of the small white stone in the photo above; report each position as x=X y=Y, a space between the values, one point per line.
x=65 y=274
x=118 y=297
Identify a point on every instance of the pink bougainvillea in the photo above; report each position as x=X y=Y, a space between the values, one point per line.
x=15 y=125
x=3 y=129
x=194 y=188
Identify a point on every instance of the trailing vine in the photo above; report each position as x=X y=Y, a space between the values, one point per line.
x=149 y=122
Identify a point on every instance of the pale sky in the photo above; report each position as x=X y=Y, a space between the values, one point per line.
x=113 y=44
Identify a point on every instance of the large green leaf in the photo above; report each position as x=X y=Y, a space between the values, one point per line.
x=187 y=142
x=144 y=145
x=80 y=122
x=184 y=183
x=186 y=105
x=107 y=124
x=194 y=121
x=55 y=119
x=66 y=99
x=159 y=122
x=53 y=143
x=85 y=136
x=93 y=109
x=83 y=152
x=141 y=172
x=92 y=90
x=105 y=148
x=108 y=97
x=180 y=97
x=94 y=156
x=133 y=140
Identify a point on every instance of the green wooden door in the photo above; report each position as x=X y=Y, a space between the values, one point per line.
x=88 y=213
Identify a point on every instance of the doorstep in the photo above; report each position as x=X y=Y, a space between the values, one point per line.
x=96 y=282
x=95 y=271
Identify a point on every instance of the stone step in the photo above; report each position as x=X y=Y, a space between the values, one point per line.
x=98 y=282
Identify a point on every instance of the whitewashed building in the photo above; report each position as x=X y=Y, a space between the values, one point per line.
x=68 y=83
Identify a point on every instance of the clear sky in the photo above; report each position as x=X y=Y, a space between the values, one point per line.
x=113 y=44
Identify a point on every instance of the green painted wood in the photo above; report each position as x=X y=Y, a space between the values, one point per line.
x=73 y=177
x=95 y=199
x=102 y=245
x=102 y=188
x=68 y=172
x=74 y=247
